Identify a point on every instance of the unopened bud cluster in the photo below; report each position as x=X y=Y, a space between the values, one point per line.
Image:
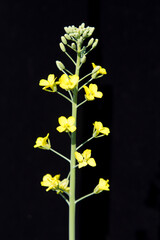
x=77 y=35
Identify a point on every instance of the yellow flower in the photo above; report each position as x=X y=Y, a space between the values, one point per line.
x=50 y=182
x=85 y=159
x=92 y=93
x=103 y=185
x=101 y=71
x=43 y=143
x=49 y=83
x=66 y=125
x=68 y=82
x=63 y=186
x=54 y=183
x=98 y=128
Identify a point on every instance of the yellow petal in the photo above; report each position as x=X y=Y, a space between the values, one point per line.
x=86 y=154
x=93 y=88
x=89 y=97
x=98 y=125
x=72 y=128
x=43 y=82
x=71 y=121
x=51 y=78
x=79 y=157
x=102 y=71
x=74 y=79
x=91 y=162
x=86 y=89
x=98 y=94
x=62 y=121
x=105 y=131
x=94 y=65
x=60 y=129
x=82 y=164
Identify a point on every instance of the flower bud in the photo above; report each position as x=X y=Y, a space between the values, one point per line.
x=73 y=45
x=80 y=40
x=90 y=42
x=62 y=47
x=60 y=65
x=63 y=39
x=95 y=43
x=91 y=30
x=67 y=37
x=82 y=25
x=85 y=34
x=83 y=59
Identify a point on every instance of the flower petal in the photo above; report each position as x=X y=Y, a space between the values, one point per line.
x=98 y=125
x=98 y=94
x=86 y=154
x=93 y=88
x=62 y=121
x=72 y=128
x=91 y=162
x=71 y=121
x=43 y=82
x=51 y=78
x=61 y=129
x=105 y=131
x=79 y=157
x=82 y=164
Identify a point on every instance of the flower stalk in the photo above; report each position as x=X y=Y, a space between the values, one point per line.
x=66 y=188
x=72 y=206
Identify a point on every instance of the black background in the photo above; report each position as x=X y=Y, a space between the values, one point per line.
x=129 y=49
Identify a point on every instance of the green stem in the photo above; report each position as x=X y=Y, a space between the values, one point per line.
x=88 y=195
x=72 y=207
x=70 y=58
x=84 y=142
x=64 y=96
x=85 y=84
x=81 y=103
x=66 y=200
x=85 y=76
x=51 y=149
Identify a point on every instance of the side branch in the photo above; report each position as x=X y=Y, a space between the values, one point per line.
x=86 y=196
x=62 y=156
x=81 y=145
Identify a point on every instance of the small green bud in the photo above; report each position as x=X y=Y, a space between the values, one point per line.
x=82 y=25
x=95 y=43
x=83 y=59
x=66 y=29
x=62 y=47
x=91 y=30
x=63 y=39
x=60 y=65
x=90 y=42
x=73 y=45
x=80 y=40
x=67 y=37
x=85 y=34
